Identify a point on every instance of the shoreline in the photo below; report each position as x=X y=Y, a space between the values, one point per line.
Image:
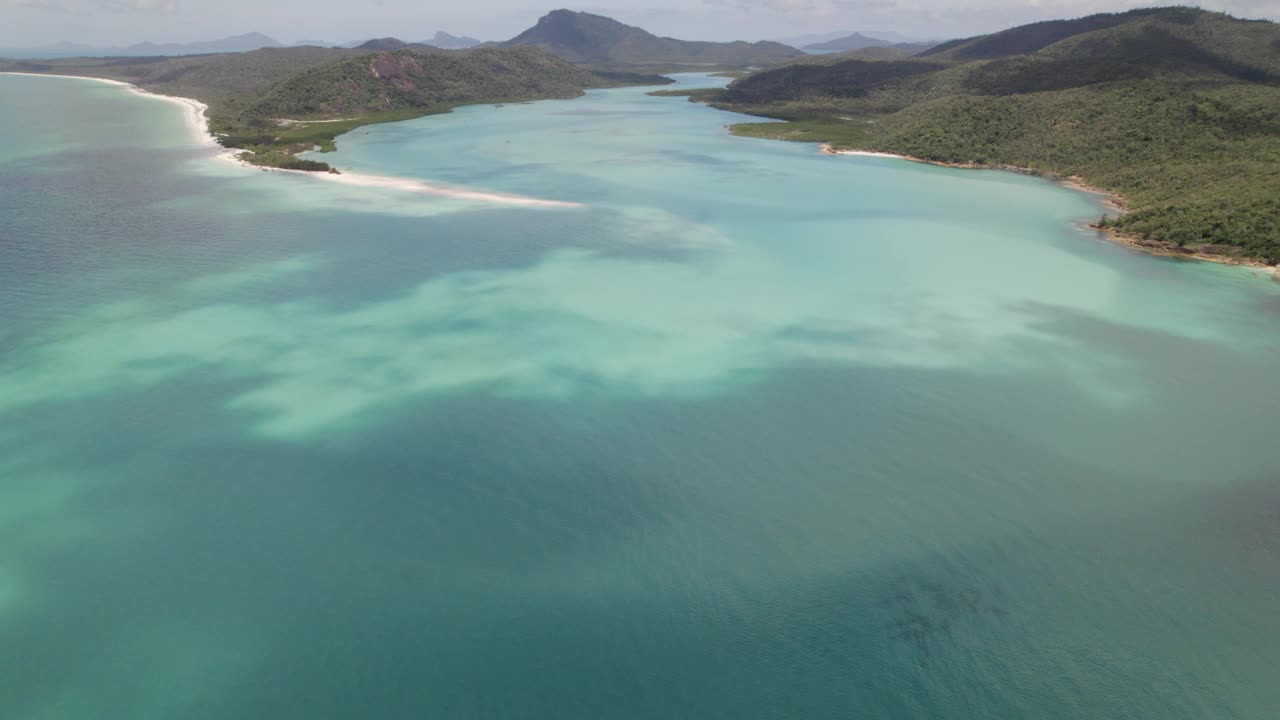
x=198 y=122
x=196 y=117
x=1111 y=200
x=1169 y=250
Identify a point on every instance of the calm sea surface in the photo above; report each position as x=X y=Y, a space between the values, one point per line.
x=753 y=433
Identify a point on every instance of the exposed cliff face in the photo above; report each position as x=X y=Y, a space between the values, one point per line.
x=397 y=69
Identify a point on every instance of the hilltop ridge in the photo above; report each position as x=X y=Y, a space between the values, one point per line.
x=406 y=78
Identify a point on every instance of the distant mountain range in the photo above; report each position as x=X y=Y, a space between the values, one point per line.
x=888 y=36
x=441 y=40
x=586 y=38
x=877 y=48
x=388 y=43
x=856 y=41
x=445 y=41
x=234 y=44
x=800 y=41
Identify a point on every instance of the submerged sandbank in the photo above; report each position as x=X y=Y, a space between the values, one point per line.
x=198 y=121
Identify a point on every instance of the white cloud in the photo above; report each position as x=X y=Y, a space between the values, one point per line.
x=51 y=5
x=81 y=7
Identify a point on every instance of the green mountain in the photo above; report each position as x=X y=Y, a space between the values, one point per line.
x=1176 y=109
x=585 y=38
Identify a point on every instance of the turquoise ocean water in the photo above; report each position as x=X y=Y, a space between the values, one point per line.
x=753 y=433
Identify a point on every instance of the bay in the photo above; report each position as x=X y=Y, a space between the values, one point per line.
x=752 y=432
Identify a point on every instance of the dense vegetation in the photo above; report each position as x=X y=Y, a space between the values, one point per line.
x=1176 y=109
x=407 y=79
x=586 y=38
x=847 y=79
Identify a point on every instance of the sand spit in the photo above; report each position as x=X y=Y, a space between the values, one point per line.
x=411 y=185
x=198 y=121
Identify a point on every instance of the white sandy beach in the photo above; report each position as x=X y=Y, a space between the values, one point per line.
x=423 y=188
x=868 y=153
x=826 y=149
x=198 y=120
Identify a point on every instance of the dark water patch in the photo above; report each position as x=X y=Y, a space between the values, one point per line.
x=487 y=556
x=596 y=112
x=706 y=160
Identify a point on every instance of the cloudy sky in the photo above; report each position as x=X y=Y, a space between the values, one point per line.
x=120 y=22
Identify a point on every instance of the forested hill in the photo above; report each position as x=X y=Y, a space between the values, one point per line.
x=1177 y=109
x=1213 y=29
x=586 y=38
x=407 y=79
